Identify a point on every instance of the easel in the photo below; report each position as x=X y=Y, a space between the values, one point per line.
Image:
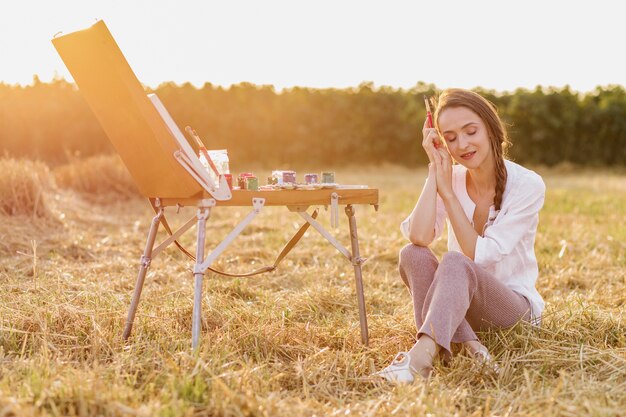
x=168 y=172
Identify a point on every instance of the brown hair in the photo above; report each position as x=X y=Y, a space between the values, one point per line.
x=456 y=97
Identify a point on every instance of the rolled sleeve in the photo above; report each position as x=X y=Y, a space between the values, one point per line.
x=519 y=219
x=440 y=219
x=404 y=227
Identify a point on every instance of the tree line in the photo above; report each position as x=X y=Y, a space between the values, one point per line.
x=364 y=124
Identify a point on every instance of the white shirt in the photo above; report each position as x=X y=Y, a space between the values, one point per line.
x=506 y=248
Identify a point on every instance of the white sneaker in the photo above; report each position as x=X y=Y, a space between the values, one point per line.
x=400 y=369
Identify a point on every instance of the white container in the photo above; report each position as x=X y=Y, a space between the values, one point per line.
x=220 y=159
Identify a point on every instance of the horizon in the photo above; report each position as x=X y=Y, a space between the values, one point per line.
x=375 y=87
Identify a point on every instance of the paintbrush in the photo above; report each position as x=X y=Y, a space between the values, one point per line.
x=429 y=117
x=203 y=149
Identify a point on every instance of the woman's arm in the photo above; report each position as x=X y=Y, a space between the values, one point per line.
x=422 y=219
x=463 y=229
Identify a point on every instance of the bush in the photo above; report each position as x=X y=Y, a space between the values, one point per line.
x=97 y=175
x=21 y=187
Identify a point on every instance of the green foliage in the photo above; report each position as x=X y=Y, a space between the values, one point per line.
x=45 y=120
x=323 y=126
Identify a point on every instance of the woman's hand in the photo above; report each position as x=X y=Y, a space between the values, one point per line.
x=443 y=166
x=431 y=141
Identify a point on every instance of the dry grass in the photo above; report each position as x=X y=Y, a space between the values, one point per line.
x=288 y=343
x=97 y=176
x=22 y=184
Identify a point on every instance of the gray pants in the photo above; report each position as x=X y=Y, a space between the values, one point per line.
x=454 y=298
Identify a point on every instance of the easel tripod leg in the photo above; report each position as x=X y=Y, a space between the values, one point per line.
x=143 y=268
x=356 y=261
x=198 y=277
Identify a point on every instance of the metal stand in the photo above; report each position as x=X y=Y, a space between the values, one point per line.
x=145 y=261
x=353 y=257
x=202 y=264
x=198 y=273
x=357 y=261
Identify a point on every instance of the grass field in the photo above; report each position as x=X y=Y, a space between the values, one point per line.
x=287 y=343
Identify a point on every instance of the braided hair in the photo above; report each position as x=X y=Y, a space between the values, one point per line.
x=486 y=110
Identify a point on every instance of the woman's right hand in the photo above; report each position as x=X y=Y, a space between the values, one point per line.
x=430 y=138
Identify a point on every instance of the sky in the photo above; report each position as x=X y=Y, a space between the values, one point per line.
x=501 y=45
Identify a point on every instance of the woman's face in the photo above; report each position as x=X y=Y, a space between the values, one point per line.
x=465 y=135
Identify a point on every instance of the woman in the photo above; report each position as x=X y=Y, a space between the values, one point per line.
x=487 y=277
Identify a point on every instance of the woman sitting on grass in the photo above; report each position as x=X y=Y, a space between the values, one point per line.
x=487 y=277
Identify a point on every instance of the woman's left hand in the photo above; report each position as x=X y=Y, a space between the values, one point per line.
x=443 y=163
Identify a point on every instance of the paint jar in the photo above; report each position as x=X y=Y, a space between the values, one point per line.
x=328 y=177
x=252 y=183
x=289 y=177
x=277 y=177
x=311 y=178
x=241 y=180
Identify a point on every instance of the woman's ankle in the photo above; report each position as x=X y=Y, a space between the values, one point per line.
x=422 y=355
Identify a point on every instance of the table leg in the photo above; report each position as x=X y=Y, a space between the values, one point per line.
x=198 y=273
x=356 y=261
x=146 y=259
